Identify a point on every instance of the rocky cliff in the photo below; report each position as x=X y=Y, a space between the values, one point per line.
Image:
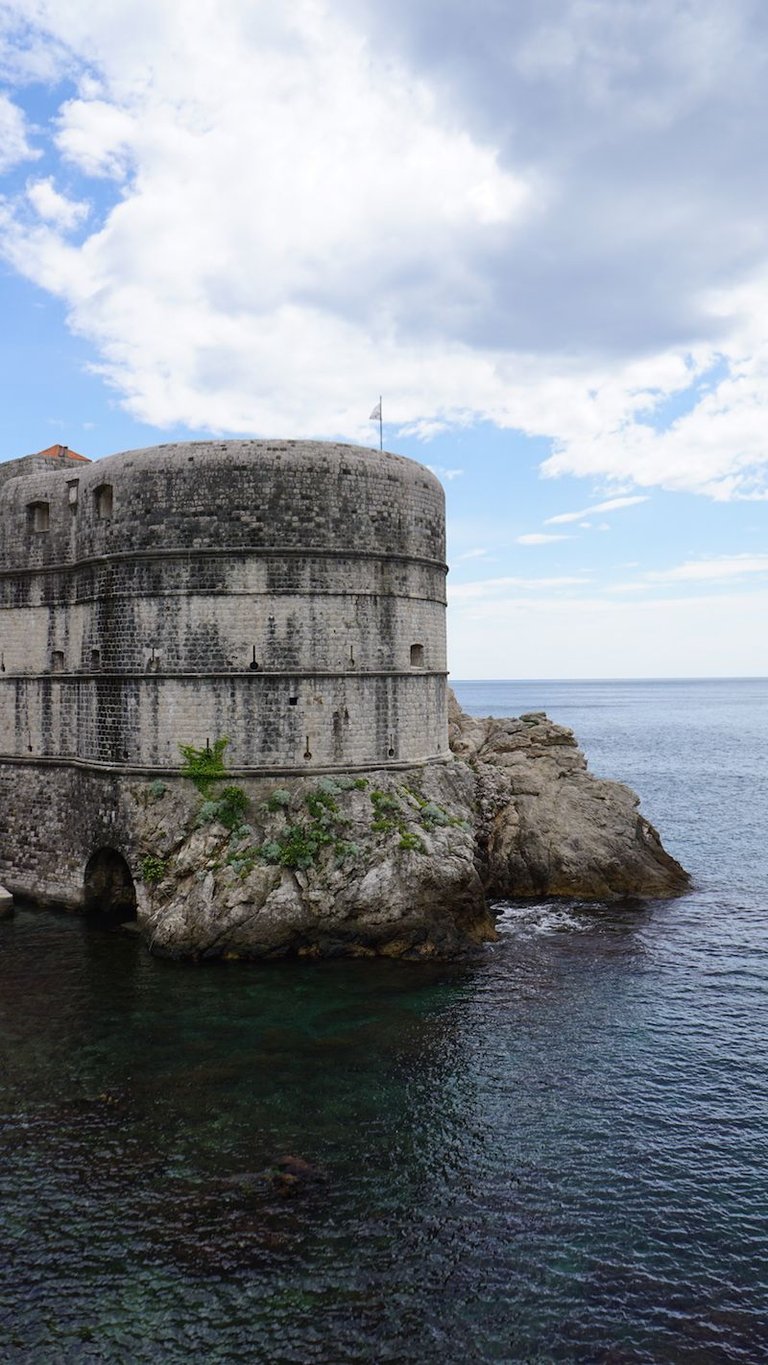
x=545 y=826
x=397 y=864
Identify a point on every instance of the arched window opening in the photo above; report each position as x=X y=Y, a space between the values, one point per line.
x=57 y=661
x=95 y=660
x=109 y=891
x=103 y=501
x=417 y=656
x=39 y=516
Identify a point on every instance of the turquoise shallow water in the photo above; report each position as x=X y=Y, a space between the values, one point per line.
x=556 y=1153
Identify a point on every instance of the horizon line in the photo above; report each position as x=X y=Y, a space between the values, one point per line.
x=650 y=677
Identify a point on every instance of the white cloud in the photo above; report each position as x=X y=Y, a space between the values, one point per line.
x=14 y=145
x=26 y=53
x=610 y=505
x=54 y=207
x=315 y=202
x=442 y=473
x=471 y=554
x=284 y=192
x=538 y=538
x=593 y=637
x=423 y=430
x=97 y=138
x=717 y=447
x=717 y=568
x=639 y=586
x=492 y=588
x=712 y=569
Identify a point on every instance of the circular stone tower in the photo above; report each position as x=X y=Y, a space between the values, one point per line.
x=289 y=595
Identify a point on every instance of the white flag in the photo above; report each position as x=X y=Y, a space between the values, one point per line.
x=376 y=414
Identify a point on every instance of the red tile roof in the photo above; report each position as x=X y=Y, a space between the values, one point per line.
x=63 y=453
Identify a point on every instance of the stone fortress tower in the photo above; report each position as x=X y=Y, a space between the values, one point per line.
x=287 y=594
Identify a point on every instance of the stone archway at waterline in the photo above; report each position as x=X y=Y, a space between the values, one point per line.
x=109 y=887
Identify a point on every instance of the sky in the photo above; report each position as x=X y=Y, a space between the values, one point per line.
x=537 y=229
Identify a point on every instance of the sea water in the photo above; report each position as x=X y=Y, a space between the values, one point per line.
x=558 y=1152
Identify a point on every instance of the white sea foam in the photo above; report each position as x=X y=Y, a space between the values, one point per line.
x=547 y=917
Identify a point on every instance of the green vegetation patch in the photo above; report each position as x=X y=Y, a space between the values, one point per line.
x=346 y=850
x=390 y=818
x=298 y=845
x=227 y=809
x=232 y=804
x=153 y=869
x=204 y=766
x=431 y=815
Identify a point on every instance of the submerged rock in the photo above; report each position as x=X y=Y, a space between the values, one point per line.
x=396 y=864
x=294 y=1175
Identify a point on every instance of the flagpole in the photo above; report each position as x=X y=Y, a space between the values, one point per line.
x=381 y=427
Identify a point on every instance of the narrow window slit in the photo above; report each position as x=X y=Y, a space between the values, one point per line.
x=103 y=501
x=39 y=516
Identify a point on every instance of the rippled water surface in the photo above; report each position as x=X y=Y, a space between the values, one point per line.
x=556 y=1153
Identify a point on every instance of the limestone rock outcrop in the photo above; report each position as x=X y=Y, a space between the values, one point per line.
x=376 y=865
x=394 y=864
x=545 y=826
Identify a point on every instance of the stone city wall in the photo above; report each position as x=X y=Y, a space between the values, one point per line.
x=52 y=818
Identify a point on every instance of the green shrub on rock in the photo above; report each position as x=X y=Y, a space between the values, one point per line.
x=204 y=766
x=433 y=816
x=153 y=869
x=411 y=842
x=321 y=805
x=346 y=850
x=232 y=804
x=228 y=809
x=297 y=847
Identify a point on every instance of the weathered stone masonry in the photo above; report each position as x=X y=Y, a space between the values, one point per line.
x=289 y=595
